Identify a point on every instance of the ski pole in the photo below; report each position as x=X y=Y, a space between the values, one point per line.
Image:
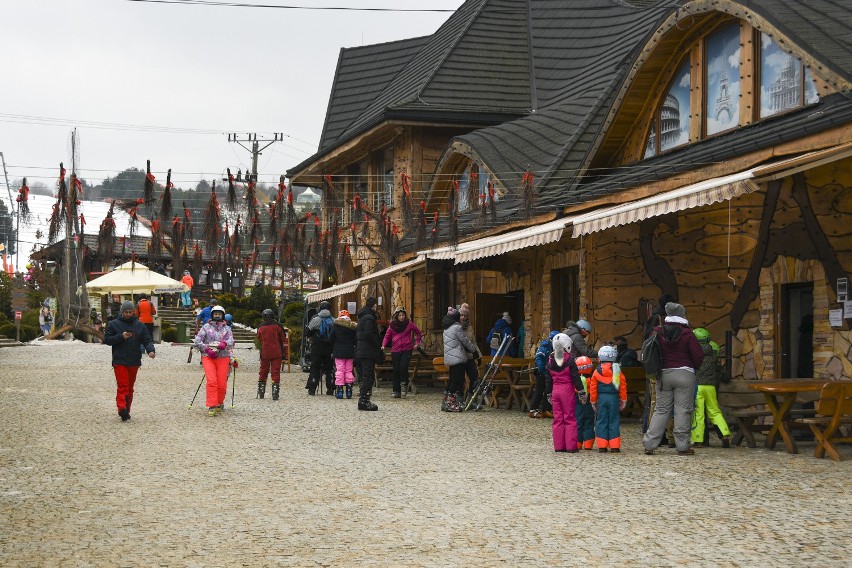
x=234 y=364
x=196 y=390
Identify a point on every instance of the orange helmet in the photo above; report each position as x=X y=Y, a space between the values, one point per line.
x=584 y=364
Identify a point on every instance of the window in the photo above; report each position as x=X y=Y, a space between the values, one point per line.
x=441 y=298
x=383 y=191
x=784 y=83
x=469 y=196
x=564 y=296
x=673 y=118
x=722 y=93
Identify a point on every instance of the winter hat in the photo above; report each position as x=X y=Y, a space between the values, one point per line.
x=397 y=311
x=127 y=305
x=507 y=317
x=675 y=310
x=452 y=311
x=464 y=310
x=343 y=314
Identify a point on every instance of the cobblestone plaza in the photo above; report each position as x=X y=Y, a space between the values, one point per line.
x=310 y=481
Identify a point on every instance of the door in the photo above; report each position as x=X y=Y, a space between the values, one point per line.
x=797 y=325
x=490 y=307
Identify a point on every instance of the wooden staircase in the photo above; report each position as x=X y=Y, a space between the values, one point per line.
x=6 y=342
x=173 y=316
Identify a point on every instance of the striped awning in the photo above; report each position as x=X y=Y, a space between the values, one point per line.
x=687 y=197
x=352 y=285
x=332 y=292
x=543 y=234
x=406 y=266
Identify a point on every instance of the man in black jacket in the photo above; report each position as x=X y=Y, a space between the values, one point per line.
x=126 y=334
x=368 y=352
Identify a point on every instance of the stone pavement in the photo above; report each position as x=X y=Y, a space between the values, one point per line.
x=310 y=481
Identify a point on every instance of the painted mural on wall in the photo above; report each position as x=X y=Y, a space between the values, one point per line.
x=723 y=80
x=781 y=85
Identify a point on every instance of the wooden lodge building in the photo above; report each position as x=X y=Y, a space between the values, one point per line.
x=586 y=157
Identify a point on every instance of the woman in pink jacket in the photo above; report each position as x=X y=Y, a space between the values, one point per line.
x=403 y=337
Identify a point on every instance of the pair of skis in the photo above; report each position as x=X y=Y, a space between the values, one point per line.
x=485 y=385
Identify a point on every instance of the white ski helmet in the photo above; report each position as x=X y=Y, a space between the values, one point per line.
x=607 y=354
x=564 y=340
x=217 y=310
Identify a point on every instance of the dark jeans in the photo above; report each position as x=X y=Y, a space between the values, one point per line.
x=368 y=377
x=455 y=384
x=472 y=373
x=539 y=401
x=321 y=364
x=400 y=360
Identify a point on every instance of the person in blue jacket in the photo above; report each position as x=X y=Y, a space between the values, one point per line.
x=502 y=328
x=127 y=336
x=539 y=405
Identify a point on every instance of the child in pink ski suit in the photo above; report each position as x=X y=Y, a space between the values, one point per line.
x=566 y=385
x=343 y=341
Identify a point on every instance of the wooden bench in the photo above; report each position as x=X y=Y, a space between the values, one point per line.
x=522 y=387
x=833 y=409
x=502 y=382
x=423 y=369
x=742 y=407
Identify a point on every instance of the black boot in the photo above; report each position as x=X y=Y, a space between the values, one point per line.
x=349 y=391
x=261 y=389
x=276 y=387
x=364 y=402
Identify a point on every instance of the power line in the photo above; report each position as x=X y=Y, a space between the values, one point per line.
x=290 y=7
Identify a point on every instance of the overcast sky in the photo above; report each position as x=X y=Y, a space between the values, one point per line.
x=219 y=69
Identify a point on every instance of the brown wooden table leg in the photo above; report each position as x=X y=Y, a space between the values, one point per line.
x=779 y=426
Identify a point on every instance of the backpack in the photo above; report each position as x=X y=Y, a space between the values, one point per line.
x=325 y=327
x=651 y=357
x=495 y=340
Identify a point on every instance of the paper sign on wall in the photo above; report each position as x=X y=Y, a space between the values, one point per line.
x=835 y=318
x=847 y=309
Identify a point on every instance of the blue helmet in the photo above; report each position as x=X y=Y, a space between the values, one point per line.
x=229 y=318
x=583 y=324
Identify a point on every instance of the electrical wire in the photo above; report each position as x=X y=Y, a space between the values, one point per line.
x=290 y=7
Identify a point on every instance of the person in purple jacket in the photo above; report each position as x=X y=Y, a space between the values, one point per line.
x=681 y=356
x=403 y=337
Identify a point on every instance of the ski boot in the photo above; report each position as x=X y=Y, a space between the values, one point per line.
x=261 y=389
x=338 y=392
x=364 y=402
x=276 y=388
x=349 y=390
x=445 y=402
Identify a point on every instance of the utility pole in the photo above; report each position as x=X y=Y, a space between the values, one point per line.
x=14 y=210
x=255 y=150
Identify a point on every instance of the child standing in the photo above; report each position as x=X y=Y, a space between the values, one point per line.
x=608 y=393
x=564 y=382
x=343 y=340
x=585 y=414
x=708 y=375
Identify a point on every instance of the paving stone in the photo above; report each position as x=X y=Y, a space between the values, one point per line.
x=310 y=481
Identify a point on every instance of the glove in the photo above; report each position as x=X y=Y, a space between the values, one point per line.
x=211 y=353
x=595 y=407
x=622 y=404
x=235 y=363
x=222 y=346
x=583 y=397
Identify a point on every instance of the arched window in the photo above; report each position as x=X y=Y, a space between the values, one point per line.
x=784 y=83
x=672 y=120
x=722 y=80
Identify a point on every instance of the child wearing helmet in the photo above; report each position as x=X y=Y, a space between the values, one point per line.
x=271 y=337
x=608 y=394
x=564 y=382
x=584 y=412
x=539 y=405
x=578 y=331
x=215 y=341
x=708 y=375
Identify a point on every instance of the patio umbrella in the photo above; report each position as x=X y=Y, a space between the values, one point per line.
x=127 y=279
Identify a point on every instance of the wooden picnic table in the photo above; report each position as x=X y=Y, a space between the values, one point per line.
x=787 y=391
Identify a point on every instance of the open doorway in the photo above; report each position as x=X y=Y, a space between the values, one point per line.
x=490 y=307
x=797 y=325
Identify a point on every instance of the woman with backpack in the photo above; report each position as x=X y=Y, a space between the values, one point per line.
x=680 y=356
